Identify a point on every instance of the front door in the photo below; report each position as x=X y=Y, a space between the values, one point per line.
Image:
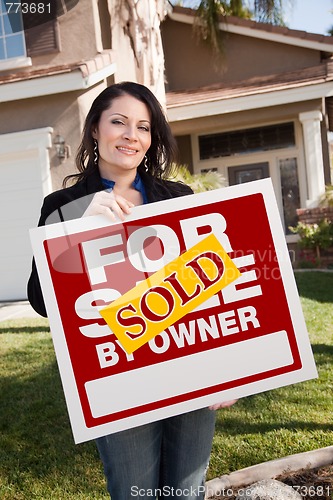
x=247 y=173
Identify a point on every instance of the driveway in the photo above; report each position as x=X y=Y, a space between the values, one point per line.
x=13 y=310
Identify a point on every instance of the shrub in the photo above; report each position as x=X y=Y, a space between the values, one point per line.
x=315 y=236
x=327 y=199
x=199 y=182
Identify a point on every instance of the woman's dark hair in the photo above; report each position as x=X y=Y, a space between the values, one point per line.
x=162 y=151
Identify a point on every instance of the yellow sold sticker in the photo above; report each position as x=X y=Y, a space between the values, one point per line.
x=169 y=294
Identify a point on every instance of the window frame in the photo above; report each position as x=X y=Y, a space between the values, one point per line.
x=255 y=131
x=18 y=61
x=48 y=31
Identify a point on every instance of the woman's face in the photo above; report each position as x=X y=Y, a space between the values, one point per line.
x=123 y=135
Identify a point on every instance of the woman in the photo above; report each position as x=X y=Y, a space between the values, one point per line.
x=124 y=158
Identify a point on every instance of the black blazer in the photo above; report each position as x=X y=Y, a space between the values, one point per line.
x=71 y=203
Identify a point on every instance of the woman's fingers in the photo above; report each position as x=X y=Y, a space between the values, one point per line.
x=225 y=404
x=109 y=204
x=123 y=204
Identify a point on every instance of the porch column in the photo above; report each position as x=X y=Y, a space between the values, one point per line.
x=313 y=155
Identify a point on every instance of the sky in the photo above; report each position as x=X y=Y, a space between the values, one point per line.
x=314 y=16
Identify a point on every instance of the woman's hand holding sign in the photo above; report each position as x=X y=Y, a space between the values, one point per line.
x=225 y=404
x=110 y=204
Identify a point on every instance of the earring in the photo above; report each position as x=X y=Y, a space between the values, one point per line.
x=146 y=163
x=96 y=155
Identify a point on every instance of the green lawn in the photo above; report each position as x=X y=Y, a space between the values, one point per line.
x=292 y=419
x=39 y=460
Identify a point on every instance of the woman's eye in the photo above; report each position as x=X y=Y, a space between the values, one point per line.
x=117 y=122
x=143 y=127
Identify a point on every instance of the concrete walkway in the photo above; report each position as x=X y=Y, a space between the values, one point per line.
x=13 y=310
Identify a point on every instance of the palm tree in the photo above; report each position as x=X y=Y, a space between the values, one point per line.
x=269 y=11
x=209 y=14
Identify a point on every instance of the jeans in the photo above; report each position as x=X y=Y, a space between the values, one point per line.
x=164 y=459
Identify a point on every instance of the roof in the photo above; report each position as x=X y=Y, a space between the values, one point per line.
x=50 y=80
x=86 y=68
x=321 y=73
x=259 y=92
x=261 y=30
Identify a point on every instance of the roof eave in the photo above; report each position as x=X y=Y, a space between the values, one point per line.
x=68 y=81
x=236 y=104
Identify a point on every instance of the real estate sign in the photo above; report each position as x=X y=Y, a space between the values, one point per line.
x=248 y=337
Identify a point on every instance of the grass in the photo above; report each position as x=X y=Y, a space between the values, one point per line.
x=38 y=457
x=291 y=419
x=39 y=460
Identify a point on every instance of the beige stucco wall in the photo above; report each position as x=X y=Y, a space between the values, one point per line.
x=79 y=39
x=131 y=30
x=190 y=65
x=243 y=119
x=65 y=113
x=188 y=129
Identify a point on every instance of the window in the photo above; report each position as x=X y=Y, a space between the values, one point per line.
x=21 y=37
x=12 y=42
x=248 y=173
x=247 y=141
x=290 y=192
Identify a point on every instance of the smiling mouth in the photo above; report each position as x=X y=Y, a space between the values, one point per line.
x=126 y=150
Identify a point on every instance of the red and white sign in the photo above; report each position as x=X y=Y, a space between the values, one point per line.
x=248 y=338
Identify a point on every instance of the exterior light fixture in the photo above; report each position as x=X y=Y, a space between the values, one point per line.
x=62 y=150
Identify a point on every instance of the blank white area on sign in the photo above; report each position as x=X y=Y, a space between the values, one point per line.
x=146 y=385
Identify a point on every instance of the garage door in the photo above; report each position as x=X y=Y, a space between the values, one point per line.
x=25 y=180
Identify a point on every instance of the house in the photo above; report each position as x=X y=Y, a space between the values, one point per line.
x=50 y=72
x=267 y=112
